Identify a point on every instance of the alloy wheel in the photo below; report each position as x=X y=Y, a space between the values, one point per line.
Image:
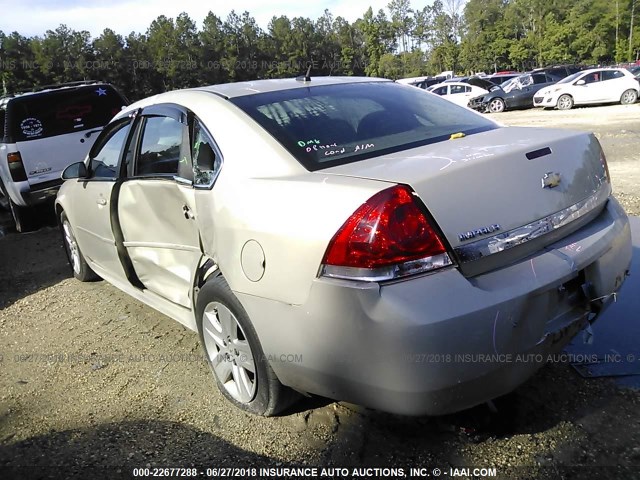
x=496 y=105
x=229 y=352
x=72 y=245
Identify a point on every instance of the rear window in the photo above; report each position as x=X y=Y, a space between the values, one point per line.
x=336 y=124
x=47 y=114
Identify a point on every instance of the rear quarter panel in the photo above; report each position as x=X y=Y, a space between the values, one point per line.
x=264 y=194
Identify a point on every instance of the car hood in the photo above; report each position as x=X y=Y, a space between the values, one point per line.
x=493 y=178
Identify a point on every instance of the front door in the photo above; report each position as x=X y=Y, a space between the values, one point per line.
x=92 y=222
x=156 y=207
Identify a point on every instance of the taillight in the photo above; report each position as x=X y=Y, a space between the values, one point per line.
x=16 y=168
x=387 y=237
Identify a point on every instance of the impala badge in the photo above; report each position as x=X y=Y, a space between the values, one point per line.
x=551 y=180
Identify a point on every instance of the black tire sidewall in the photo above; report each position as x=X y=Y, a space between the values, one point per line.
x=217 y=290
x=85 y=274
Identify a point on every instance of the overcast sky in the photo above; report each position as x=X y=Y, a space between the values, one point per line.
x=35 y=17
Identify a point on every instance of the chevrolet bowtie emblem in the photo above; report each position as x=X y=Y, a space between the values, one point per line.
x=551 y=180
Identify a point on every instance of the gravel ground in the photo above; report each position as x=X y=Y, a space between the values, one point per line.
x=90 y=377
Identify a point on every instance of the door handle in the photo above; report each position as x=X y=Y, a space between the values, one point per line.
x=188 y=214
x=101 y=201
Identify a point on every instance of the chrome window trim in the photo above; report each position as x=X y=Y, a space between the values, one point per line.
x=520 y=235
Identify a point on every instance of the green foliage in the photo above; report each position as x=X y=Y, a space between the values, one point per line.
x=405 y=40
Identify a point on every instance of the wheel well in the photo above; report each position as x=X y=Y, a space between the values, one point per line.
x=207 y=269
x=59 y=211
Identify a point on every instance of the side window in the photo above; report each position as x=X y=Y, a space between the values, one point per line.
x=440 y=91
x=105 y=154
x=206 y=162
x=457 y=89
x=592 y=77
x=539 y=78
x=611 y=75
x=163 y=150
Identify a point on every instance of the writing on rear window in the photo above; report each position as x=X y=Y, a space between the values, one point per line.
x=342 y=123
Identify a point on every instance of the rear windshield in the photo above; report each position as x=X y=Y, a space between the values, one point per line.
x=336 y=124
x=47 y=114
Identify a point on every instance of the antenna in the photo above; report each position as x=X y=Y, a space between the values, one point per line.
x=307 y=76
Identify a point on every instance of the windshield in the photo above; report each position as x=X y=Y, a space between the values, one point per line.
x=570 y=78
x=335 y=124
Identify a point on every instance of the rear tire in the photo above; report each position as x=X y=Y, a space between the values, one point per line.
x=629 y=97
x=565 y=102
x=81 y=270
x=23 y=217
x=234 y=354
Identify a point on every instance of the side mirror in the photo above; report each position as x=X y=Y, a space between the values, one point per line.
x=75 y=170
x=581 y=82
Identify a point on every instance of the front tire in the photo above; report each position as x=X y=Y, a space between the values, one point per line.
x=81 y=270
x=234 y=353
x=628 y=97
x=565 y=102
x=496 y=105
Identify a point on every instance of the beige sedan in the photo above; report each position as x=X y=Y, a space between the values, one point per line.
x=349 y=237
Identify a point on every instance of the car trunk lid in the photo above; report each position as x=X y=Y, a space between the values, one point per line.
x=492 y=183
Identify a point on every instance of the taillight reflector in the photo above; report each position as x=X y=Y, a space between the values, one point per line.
x=387 y=237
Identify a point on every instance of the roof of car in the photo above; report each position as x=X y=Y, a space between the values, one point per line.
x=43 y=90
x=239 y=89
x=599 y=69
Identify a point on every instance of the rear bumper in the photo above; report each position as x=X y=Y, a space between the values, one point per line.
x=26 y=195
x=441 y=343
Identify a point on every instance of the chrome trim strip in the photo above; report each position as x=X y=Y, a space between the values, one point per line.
x=391 y=272
x=526 y=233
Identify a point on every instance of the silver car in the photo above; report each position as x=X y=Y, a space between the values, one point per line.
x=352 y=238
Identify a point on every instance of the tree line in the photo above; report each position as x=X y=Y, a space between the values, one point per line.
x=400 y=41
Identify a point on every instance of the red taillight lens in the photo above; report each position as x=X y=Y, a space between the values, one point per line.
x=14 y=157
x=18 y=174
x=385 y=235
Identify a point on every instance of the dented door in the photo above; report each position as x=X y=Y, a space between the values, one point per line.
x=156 y=209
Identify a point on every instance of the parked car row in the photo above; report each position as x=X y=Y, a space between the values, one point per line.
x=559 y=89
x=594 y=86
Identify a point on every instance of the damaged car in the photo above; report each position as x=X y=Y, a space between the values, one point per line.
x=515 y=93
x=351 y=238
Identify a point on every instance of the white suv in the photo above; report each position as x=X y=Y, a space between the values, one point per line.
x=44 y=131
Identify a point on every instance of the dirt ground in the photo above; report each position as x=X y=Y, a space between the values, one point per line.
x=92 y=379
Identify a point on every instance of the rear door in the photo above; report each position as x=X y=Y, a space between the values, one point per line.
x=156 y=206
x=55 y=128
x=612 y=85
